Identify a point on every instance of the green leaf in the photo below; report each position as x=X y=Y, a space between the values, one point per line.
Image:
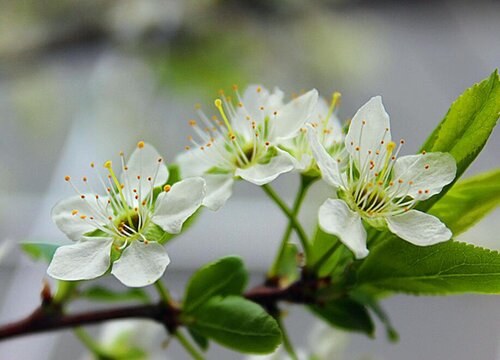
x=238 y=324
x=345 y=313
x=226 y=276
x=467 y=126
x=39 y=251
x=99 y=293
x=469 y=201
x=370 y=301
x=200 y=340
x=447 y=268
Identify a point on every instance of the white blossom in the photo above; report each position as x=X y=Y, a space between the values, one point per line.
x=378 y=187
x=329 y=132
x=124 y=222
x=243 y=142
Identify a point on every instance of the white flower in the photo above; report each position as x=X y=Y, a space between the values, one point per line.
x=244 y=141
x=329 y=132
x=125 y=222
x=378 y=187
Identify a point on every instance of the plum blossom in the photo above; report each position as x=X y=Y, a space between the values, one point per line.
x=328 y=129
x=378 y=187
x=243 y=142
x=126 y=226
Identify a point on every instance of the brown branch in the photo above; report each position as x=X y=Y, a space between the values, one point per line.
x=49 y=318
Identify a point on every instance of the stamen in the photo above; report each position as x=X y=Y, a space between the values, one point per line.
x=218 y=105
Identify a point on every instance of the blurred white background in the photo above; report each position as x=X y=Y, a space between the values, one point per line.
x=81 y=81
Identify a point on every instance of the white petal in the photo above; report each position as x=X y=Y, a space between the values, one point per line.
x=141 y=264
x=428 y=174
x=196 y=162
x=85 y=260
x=289 y=119
x=336 y=218
x=330 y=168
x=73 y=225
x=261 y=174
x=176 y=206
x=303 y=163
x=144 y=163
x=254 y=97
x=368 y=136
x=219 y=190
x=419 y=228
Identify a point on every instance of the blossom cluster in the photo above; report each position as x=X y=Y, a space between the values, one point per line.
x=255 y=136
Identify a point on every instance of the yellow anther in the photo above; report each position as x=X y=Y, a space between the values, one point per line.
x=74 y=212
x=140 y=144
x=391 y=146
x=192 y=122
x=259 y=89
x=67 y=178
x=218 y=103
x=83 y=217
x=167 y=188
x=108 y=164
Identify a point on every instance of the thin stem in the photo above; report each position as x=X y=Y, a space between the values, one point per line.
x=188 y=346
x=287 y=344
x=87 y=340
x=296 y=225
x=305 y=183
x=163 y=291
x=326 y=256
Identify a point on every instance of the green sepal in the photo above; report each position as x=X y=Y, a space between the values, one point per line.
x=287 y=270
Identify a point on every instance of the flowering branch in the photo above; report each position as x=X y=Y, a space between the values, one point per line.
x=48 y=318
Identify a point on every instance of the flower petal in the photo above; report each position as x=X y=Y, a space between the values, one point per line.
x=336 y=218
x=144 y=163
x=87 y=259
x=219 y=190
x=368 y=134
x=419 y=228
x=424 y=175
x=191 y=161
x=141 y=264
x=330 y=168
x=177 y=205
x=71 y=223
x=333 y=125
x=260 y=174
x=289 y=119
